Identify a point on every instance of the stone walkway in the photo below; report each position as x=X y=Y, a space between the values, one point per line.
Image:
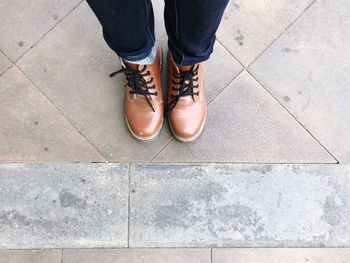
x=278 y=94
x=147 y=208
x=277 y=87
x=174 y=205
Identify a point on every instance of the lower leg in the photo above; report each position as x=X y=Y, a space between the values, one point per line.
x=128 y=26
x=191 y=26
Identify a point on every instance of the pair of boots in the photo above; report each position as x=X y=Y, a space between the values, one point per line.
x=144 y=107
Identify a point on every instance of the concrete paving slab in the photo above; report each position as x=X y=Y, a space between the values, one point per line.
x=219 y=71
x=66 y=205
x=307 y=70
x=248 y=27
x=245 y=124
x=281 y=255
x=30 y=256
x=136 y=255
x=24 y=22
x=4 y=63
x=71 y=66
x=187 y=205
x=33 y=130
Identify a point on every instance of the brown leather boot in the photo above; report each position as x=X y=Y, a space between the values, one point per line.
x=187 y=108
x=143 y=101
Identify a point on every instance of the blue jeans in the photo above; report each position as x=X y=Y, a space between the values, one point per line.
x=128 y=27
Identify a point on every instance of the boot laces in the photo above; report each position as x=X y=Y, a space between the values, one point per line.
x=137 y=82
x=183 y=84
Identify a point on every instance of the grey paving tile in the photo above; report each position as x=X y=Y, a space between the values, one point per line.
x=71 y=66
x=30 y=256
x=219 y=71
x=179 y=205
x=33 y=130
x=161 y=36
x=137 y=255
x=307 y=70
x=66 y=205
x=248 y=27
x=24 y=22
x=4 y=63
x=245 y=124
x=284 y=255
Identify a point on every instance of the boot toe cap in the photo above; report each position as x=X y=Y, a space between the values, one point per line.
x=187 y=127
x=144 y=127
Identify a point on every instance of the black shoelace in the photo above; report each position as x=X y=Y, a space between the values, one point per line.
x=183 y=84
x=137 y=82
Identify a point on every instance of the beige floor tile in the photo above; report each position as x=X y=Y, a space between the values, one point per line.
x=249 y=26
x=24 y=22
x=32 y=130
x=137 y=256
x=282 y=255
x=308 y=70
x=245 y=124
x=30 y=256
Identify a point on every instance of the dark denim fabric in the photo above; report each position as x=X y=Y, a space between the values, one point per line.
x=128 y=27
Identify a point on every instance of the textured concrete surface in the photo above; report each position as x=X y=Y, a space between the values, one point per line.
x=137 y=256
x=308 y=69
x=72 y=205
x=239 y=205
x=248 y=27
x=245 y=124
x=23 y=23
x=32 y=129
x=278 y=255
x=173 y=205
x=30 y=256
x=4 y=63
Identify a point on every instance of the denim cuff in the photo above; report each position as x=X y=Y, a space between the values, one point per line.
x=144 y=59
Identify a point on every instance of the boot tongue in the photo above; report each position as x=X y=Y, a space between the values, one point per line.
x=131 y=65
x=184 y=68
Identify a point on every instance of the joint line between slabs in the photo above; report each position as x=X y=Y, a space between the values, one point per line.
x=295 y=119
x=62 y=114
x=282 y=33
x=229 y=83
x=129 y=191
x=50 y=29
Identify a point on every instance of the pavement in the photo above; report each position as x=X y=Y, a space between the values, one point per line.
x=268 y=181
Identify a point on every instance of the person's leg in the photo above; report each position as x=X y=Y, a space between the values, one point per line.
x=128 y=26
x=191 y=26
